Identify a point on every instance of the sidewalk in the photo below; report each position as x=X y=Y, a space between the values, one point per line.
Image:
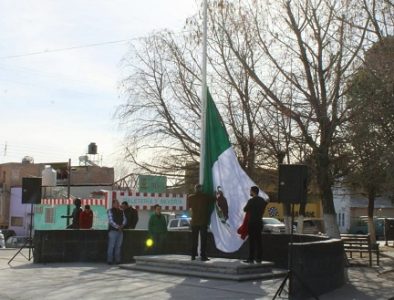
x=25 y=280
x=369 y=283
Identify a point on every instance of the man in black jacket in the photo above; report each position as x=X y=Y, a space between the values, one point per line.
x=75 y=214
x=131 y=215
x=255 y=208
x=116 y=223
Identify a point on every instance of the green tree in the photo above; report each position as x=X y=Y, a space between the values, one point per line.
x=370 y=130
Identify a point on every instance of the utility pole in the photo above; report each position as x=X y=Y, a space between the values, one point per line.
x=68 y=191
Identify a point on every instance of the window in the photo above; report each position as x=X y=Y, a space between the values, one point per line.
x=37 y=209
x=17 y=221
x=173 y=223
x=184 y=222
x=49 y=215
x=341 y=219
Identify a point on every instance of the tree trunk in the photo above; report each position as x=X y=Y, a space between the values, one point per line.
x=287 y=216
x=325 y=183
x=301 y=217
x=371 y=224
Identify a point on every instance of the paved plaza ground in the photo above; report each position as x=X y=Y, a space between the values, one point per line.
x=23 y=279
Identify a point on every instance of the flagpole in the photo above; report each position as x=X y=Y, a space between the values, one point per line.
x=203 y=92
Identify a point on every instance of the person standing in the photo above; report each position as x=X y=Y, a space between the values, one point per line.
x=131 y=215
x=75 y=214
x=116 y=223
x=255 y=210
x=86 y=218
x=200 y=205
x=157 y=228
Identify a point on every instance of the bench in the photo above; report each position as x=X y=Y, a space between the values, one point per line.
x=360 y=243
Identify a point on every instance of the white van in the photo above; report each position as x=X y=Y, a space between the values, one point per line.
x=179 y=224
x=2 y=241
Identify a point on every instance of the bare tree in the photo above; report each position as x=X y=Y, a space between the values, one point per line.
x=381 y=16
x=277 y=72
x=162 y=109
x=313 y=48
x=265 y=137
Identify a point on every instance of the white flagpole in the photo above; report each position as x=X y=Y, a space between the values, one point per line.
x=203 y=93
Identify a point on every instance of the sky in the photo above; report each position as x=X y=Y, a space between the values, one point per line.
x=60 y=71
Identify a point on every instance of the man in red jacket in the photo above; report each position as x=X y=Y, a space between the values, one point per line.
x=86 y=218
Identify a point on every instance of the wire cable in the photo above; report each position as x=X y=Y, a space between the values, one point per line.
x=67 y=48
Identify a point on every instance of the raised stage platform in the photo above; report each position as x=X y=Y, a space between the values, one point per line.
x=216 y=268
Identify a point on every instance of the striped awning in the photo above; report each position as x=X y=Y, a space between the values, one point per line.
x=65 y=201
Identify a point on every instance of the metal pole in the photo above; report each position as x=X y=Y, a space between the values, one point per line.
x=30 y=232
x=68 y=191
x=203 y=94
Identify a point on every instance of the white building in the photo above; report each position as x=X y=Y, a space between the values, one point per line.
x=349 y=205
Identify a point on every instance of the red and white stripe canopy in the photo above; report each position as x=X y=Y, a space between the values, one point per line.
x=65 y=201
x=142 y=201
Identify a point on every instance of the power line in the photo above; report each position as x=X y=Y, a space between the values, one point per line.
x=80 y=47
x=68 y=48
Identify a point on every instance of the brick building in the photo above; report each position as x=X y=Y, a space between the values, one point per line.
x=83 y=180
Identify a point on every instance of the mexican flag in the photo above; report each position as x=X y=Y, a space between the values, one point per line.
x=223 y=172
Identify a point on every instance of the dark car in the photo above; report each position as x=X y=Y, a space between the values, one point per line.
x=360 y=226
x=7 y=233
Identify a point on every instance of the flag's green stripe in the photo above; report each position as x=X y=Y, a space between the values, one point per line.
x=216 y=142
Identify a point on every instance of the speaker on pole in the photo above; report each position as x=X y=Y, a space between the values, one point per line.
x=292 y=183
x=31 y=190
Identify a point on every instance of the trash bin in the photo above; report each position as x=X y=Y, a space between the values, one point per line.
x=389 y=230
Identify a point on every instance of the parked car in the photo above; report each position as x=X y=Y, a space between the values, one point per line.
x=179 y=224
x=312 y=226
x=2 y=241
x=360 y=226
x=16 y=241
x=272 y=225
x=7 y=233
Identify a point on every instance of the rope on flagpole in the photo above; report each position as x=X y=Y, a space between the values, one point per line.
x=203 y=93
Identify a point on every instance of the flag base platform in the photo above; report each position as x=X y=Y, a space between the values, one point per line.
x=215 y=268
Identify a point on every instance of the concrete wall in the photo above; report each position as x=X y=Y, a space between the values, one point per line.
x=11 y=174
x=317 y=268
x=19 y=213
x=54 y=244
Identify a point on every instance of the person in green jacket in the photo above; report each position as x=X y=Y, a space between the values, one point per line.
x=157 y=229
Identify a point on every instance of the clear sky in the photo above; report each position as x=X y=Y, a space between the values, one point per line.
x=58 y=92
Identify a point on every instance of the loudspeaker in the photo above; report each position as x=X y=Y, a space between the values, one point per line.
x=292 y=183
x=31 y=190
